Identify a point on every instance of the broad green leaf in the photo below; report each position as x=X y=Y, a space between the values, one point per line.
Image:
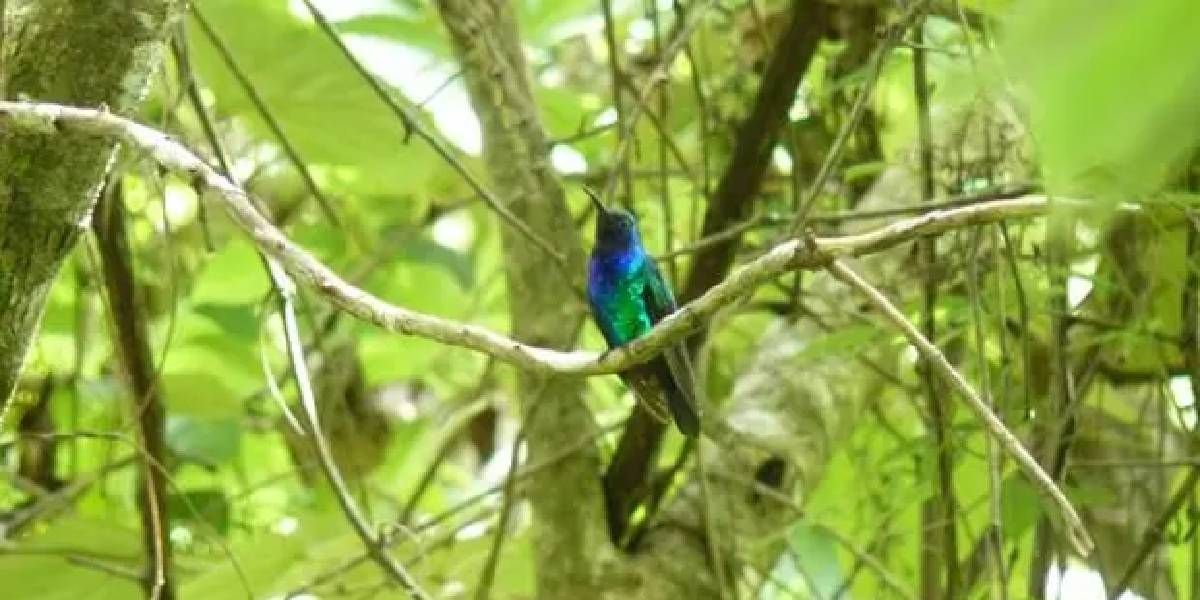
x=1112 y=89
x=424 y=250
x=234 y=275
x=210 y=376
x=420 y=30
x=236 y=321
x=812 y=564
x=1020 y=506
x=46 y=573
x=209 y=442
x=326 y=109
x=207 y=508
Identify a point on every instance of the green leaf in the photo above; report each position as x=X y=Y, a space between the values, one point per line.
x=1020 y=506
x=457 y=264
x=421 y=30
x=238 y=321
x=234 y=276
x=210 y=376
x=206 y=507
x=325 y=108
x=209 y=442
x=44 y=573
x=812 y=564
x=1112 y=89
x=843 y=340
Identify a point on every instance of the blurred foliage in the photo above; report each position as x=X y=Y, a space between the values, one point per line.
x=1095 y=100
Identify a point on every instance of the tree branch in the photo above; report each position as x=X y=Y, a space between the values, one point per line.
x=1076 y=532
x=53 y=119
x=132 y=339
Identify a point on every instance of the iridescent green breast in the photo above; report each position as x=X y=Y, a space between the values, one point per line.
x=615 y=287
x=626 y=309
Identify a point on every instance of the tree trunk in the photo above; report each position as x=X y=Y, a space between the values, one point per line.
x=570 y=536
x=78 y=52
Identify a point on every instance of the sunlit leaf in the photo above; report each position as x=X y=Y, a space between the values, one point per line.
x=207 y=508
x=209 y=442
x=1112 y=89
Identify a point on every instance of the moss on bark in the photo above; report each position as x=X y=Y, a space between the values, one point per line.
x=78 y=52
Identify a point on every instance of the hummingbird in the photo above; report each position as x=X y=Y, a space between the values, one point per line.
x=628 y=295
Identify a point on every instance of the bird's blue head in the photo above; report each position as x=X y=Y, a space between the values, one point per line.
x=616 y=229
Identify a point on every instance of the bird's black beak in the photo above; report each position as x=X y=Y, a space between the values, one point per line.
x=600 y=208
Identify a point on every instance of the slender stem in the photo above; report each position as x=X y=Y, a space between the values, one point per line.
x=483 y=591
x=1189 y=346
x=134 y=344
x=940 y=533
x=375 y=546
x=284 y=290
x=412 y=124
x=993 y=538
x=837 y=149
x=614 y=67
x=1076 y=532
x=686 y=25
x=260 y=105
x=1153 y=536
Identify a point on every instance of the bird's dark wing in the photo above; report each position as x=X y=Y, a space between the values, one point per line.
x=677 y=378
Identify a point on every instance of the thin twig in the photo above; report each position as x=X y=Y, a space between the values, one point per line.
x=458 y=424
x=284 y=289
x=889 y=579
x=225 y=163
x=119 y=571
x=187 y=79
x=994 y=458
x=1010 y=258
x=614 y=66
x=837 y=149
x=1189 y=346
x=462 y=505
x=1076 y=532
x=735 y=230
x=711 y=541
x=260 y=105
x=412 y=124
x=685 y=26
x=308 y=401
x=1153 y=535
x=483 y=591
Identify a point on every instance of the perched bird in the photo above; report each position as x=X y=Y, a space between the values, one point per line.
x=628 y=295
